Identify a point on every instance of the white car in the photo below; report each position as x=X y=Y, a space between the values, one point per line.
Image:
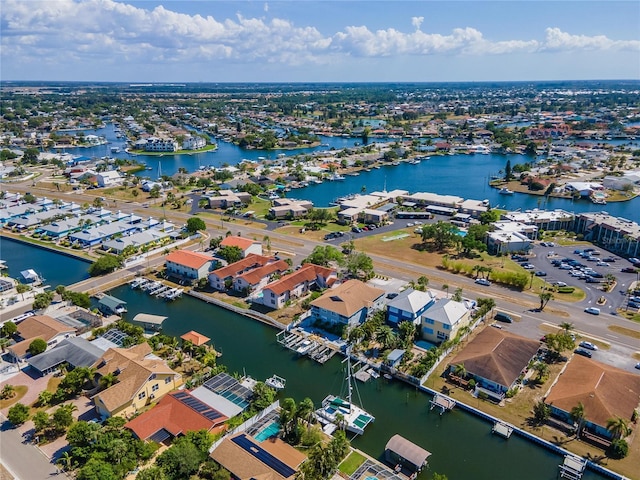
x=483 y=281
x=588 y=345
x=592 y=310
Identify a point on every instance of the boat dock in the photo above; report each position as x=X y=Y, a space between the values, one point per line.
x=573 y=467
x=443 y=402
x=315 y=349
x=155 y=288
x=502 y=429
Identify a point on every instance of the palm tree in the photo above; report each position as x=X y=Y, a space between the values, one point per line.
x=577 y=415
x=305 y=411
x=267 y=243
x=66 y=461
x=8 y=391
x=545 y=297
x=542 y=370
x=446 y=288
x=385 y=336
x=566 y=326
x=460 y=370
x=618 y=427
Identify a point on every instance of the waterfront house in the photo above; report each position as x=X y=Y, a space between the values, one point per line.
x=288 y=208
x=111 y=305
x=604 y=391
x=176 y=414
x=255 y=279
x=222 y=278
x=227 y=199
x=90 y=237
x=296 y=284
x=188 y=265
x=73 y=351
x=146 y=238
x=142 y=379
x=193 y=142
x=408 y=306
x=496 y=358
x=109 y=178
x=395 y=357
x=247 y=245
x=349 y=303
x=443 y=319
x=247 y=458
x=39 y=326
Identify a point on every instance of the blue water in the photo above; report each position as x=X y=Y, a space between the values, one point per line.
x=270 y=431
x=466 y=176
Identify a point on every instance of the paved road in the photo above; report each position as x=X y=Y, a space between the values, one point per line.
x=23 y=460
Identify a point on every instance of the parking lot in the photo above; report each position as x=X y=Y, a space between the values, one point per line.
x=577 y=274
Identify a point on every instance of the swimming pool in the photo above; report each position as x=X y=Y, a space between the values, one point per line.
x=269 y=431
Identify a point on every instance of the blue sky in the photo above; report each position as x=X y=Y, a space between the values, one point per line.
x=334 y=41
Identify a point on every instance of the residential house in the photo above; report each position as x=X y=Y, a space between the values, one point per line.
x=255 y=279
x=409 y=306
x=228 y=199
x=296 y=284
x=247 y=245
x=496 y=358
x=222 y=278
x=246 y=458
x=176 y=414
x=289 y=208
x=188 y=265
x=193 y=142
x=142 y=379
x=109 y=178
x=73 y=351
x=39 y=326
x=443 y=319
x=604 y=391
x=395 y=357
x=349 y=303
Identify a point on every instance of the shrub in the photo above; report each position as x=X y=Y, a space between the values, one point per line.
x=18 y=414
x=566 y=289
x=618 y=449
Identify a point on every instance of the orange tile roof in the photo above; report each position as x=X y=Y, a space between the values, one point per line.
x=254 y=276
x=188 y=259
x=196 y=338
x=306 y=273
x=348 y=298
x=250 y=261
x=232 y=241
x=605 y=391
x=175 y=417
x=42 y=326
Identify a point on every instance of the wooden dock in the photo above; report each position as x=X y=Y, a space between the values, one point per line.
x=314 y=348
x=443 y=402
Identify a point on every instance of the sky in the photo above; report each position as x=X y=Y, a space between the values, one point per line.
x=318 y=41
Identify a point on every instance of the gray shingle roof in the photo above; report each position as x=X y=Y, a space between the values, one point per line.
x=76 y=351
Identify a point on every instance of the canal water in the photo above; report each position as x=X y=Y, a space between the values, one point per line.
x=55 y=268
x=462 y=445
x=466 y=176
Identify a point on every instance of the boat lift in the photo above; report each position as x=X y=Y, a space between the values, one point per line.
x=443 y=402
x=573 y=467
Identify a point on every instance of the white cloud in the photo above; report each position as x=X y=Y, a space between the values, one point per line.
x=89 y=30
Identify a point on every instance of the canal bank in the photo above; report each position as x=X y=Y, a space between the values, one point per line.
x=462 y=444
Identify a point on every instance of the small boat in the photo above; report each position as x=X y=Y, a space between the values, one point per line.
x=414 y=162
x=304 y=347
x=115 y=149
x=505 y=191
x=275 y=382
x=336 y=177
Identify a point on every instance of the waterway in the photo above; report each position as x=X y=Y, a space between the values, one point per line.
x=55 y=268
x=462 y=445
x=466 y=176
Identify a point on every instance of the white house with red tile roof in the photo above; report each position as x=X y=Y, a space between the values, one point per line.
x=188 y=265
x=245 y=244
x=218 y=278
x=257 y=278
x=296 y=284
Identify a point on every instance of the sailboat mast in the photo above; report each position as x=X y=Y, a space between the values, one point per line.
x=349 y=377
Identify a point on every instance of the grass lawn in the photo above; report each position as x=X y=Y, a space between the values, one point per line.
x=625 y=331
x=259 y=206
x=20 y=391
x=629 y=315
x=350 y=464
x=547 y=328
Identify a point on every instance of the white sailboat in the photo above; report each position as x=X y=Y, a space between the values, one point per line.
x=337 y=411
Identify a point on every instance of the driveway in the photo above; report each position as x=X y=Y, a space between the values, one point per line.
x=34 y=384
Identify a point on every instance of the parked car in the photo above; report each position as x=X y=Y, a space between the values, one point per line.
x=483 y=281
x=528 y=266
x=638 y=366
x=559 y=284
x=592 y=310
x=540 y=273
x=588 y=346
x=503 y=317
x=629 y=270
x=583 y=352
x=356 y=229
x=609 y=259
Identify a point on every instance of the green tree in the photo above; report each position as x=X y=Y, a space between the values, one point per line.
x=41 y=420
x=195 y=224
x=231 y=253
x=215 y=242
x=386 y=337
x=62 y=417
x=618 y=427
x=18 y=414
x=9 y=328
x=577 y=414
x=151 y=473
x=21 y=288
x=541 y=412
x=44 y=398
x=324 y=255
x=545 y=297
x=96 y=469
x=105 y=264
x=263 y=396
x=154 y=192
x=359 y=265
x=442 y=234
x=37 y=346
x=42 y=300
x=82 y=434
x=8 y=391
x=181 y=460
x=618 y=449
x=508 y=176
x=407 y=331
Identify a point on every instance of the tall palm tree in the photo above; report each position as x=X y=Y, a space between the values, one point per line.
x=545 y=297
x=305 y=411
x=577 y=415
x=566 y=326
x=460 y=370
x=385 y=336
x=66 y=461
x=618 y=427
